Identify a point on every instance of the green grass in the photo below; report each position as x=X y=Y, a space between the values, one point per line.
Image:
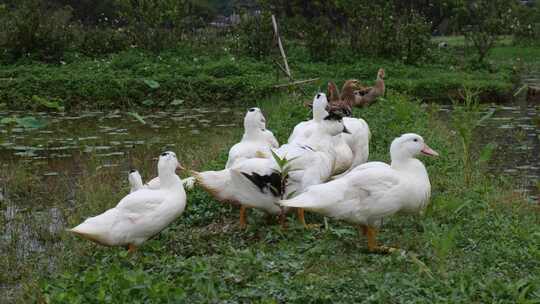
x=478 y=243
x=221 y=76
x=459 y=40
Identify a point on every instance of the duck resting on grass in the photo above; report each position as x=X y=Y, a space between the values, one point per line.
x=362 y=96
x=141 y=214
x=374 y=190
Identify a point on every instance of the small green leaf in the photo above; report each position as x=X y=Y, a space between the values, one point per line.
x=30 y=122
x=291 y=195
x=8 y=120
x=137 y=117
x=523 y=87
x=151 y=83
x=49 y=104
x=148 y=102
x=177 y=102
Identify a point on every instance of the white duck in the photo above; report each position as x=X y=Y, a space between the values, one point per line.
x=352 y=147
x=257 y=182
x=256 y=141
x=141 y=214
x=374 y=190
x=135 y=181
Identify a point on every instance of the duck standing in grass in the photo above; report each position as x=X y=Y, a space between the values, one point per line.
x=141 y=214
x=256 y=141
x=258 y=182
x=352 y=148
x=374 y=190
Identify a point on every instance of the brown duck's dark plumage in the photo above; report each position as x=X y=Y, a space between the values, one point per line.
x=337 y=107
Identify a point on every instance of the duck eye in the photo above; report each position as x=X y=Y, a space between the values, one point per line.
x=252 y=110
x=164 y=154
x=318 y=95
x=132 y=171
x=416 y=139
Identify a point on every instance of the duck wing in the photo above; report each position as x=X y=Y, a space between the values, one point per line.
x=271 y=139
x=367 y=192
x=257 y=183
x=142 y=201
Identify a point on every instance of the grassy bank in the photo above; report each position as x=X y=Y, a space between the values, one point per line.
x=477 y=242
x=136 y=78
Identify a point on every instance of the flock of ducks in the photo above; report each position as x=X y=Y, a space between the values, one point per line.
x=322 y=168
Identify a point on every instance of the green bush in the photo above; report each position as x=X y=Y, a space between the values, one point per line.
x=156 y=25
x=526 y=25
x=256 y=35
x=33 y=29
x=320 y=38
x=101 y=40
x=483 y=22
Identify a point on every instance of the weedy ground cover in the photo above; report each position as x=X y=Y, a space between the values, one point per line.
x=476 y=242
x=136 y=78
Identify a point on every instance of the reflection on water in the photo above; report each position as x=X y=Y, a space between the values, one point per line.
x=30 y=230
x=107 y=134
x=514 y=128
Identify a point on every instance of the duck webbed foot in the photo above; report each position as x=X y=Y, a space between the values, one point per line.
x=243 y=218
x=132 y=248
x=302 y=219
x=371 y=234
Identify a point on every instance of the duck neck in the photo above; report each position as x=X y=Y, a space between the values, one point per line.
x=320 y=140
x=410 y=166
x=252 y=133
x=167 y=178
x=379 y=83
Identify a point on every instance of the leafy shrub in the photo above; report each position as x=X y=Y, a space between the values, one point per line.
x=483 y=21
x=256 y=35
x=103 y=40
x=414 y=37
x=382 y=29
x=526 y=25
x=34 y=29
x=153 y=25
x=319 y=38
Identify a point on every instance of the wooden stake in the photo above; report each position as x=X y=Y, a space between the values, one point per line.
x=280 y=45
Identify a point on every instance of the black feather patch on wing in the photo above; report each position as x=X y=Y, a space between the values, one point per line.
x=271 y=182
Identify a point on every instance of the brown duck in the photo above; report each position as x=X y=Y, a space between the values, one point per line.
x=337 y=108
x=361 y=96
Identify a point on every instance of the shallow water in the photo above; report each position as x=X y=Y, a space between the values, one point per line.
x=514 y=128
x=114 y=141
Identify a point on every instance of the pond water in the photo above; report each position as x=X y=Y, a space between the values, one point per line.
x=514 y=128
x=55 y=154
